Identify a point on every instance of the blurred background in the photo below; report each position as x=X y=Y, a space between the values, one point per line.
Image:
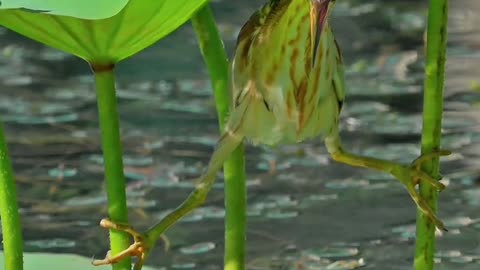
x=312 y=212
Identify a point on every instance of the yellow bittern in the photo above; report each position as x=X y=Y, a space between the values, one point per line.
x=287 y=85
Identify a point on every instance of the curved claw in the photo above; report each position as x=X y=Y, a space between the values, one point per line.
x=140 y=247
x=425 y=208
x=412 y=175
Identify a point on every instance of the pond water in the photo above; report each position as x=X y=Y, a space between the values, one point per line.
x=312 y=213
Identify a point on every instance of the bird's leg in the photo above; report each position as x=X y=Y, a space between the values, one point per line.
x=408 y=175
x=144 y=242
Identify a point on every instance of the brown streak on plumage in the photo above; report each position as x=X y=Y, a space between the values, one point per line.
x=308 y=58
x=291 y=43
x=293 y=67
x=300 y=98
x=294 y=58
x=290 y=20
x=290 y=104
x=305 y=17
x=316 y=73
x=270 y=79
x=300 y=91
x=297 y=9
x=307 y=114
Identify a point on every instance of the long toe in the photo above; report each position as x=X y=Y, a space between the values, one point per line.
x=431 y=215
x=139 y=248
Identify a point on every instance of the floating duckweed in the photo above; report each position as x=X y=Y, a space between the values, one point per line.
x=254 y=212
x=217 y=186
x=277 y=214
x=79 y=134
x=367 y=107
x=212 y=212
x=192 y=218
x=391 y=123
x=310 y=200
x=345 y=244
x=135 y=176
x=457 y=141
x=468 y=180
x=137 y=161
x=407 y=22
x=304 y=162
x=96 y=159
x=86 y=201
x=374 y=176
x=346 y=265
x=40 y=120
x=52 y=55
x=134 y=193
x=182 y=106
x=334 y=252
x=127 y=160
x=263 y=166
x=312 y=265
x=282 y=200
x=198 y=248
x=315 y=262
x=50 y=108
x=188 y=265
x=51 y=243
x=202 y=140
x=18 y=81
x=377 y=186
x=406 y=232
x=346 y=183
x=69 y=94
x=162 y=182
x=264 y=205
x=197 y=87
x=401 y=152
x=57 y=173
x=322 y=197
x=458 y=222
x=448 y=254
x=461 y=259
x=141 y=203
x=82 y=223
x=472 y=196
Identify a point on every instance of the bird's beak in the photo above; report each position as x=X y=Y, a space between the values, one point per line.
x=318 y=16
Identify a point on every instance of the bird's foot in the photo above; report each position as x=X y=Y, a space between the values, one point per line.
x=412 y=175
x=140 y=248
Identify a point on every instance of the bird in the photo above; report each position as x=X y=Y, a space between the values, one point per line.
x=287 y=85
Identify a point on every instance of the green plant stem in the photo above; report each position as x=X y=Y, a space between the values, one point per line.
x=112 y=155
x=213 y=52
x=432 y=124
x=11 y=227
